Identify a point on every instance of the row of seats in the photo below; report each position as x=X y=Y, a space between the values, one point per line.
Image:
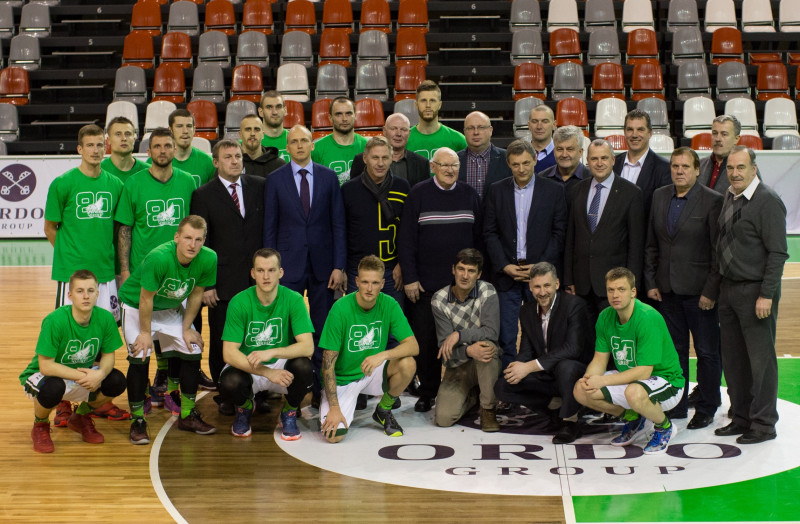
x=34 y=20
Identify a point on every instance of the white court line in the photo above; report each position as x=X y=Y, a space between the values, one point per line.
x=566 y=492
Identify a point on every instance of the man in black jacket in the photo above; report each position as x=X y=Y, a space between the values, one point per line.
x=258 y=160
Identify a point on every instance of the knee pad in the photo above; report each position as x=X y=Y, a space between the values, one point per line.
x=300 y=367
x=51 y=392
x=114 y=384
x=236 y=385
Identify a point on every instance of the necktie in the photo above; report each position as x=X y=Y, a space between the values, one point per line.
x=305 y=192
x=714 y=174
x=235 y=197
x=594 y=208
x=731 y=211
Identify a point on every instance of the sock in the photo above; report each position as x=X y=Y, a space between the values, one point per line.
x=187 y=404
x=137 y=410
x=287 y=407
x=386 y=401
x=665 y=424
x=37 y=420
x=629 y=415
x=84 y=409
x=173 y=384
x=248 y=404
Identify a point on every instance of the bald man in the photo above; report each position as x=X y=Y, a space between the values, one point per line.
x=482 y=164
x=542 y=124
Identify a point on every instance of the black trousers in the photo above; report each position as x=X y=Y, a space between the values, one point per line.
x=429 y=366
x=536 y=390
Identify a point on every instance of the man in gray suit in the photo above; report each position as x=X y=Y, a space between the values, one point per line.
x=482 y=164
x=682 y=276
x=725 y=131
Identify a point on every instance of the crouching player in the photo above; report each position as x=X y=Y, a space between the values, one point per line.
x=63 y=367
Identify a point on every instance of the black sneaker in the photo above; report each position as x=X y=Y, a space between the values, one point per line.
x=386 y=419
x=138 y=432
x=194 y=423
x=206 y=382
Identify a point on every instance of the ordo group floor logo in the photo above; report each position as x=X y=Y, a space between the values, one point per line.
x=517 y=461
x=17 y=182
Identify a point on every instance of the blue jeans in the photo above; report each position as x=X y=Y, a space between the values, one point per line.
x=510 y=303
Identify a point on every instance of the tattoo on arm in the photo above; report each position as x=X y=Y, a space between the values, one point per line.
x=329 y=376
x=124 y=246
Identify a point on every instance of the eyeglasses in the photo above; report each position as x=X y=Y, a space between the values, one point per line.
x=472 y=129
x=446 y=166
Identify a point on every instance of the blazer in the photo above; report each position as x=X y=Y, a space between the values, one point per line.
x=580 y=173
x=655 y=173
x=233 y=237
x=706 y=169
x=686 y=263
x=569 y=335
x=418 y=167
x=498 y=168
x=617 y=241
x=320 y=238
x=547 y=227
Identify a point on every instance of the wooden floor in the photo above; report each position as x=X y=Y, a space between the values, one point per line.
x=111 y=482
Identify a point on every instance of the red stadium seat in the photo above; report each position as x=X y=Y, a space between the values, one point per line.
x=375 y=15
x=206 y=122
x=14 y=86
x=772 y=81
x=320 y=118
x=608 y=81
x=294 y=114
x=411 y=46
x=751 y=141
x=529 y=80
x=369 y=116
x=617 y=142
x=334 y=47
x=702 y=141
x=300 y=16
x=220 y=17
x=763 y=58
x=257 y=16
x=726 y=45
x=247 y=83
x=138 y=50
x=407 y=78
x=647 y=81
x=169 y=84
x=413 y=14
x=176 y=48
x=146 y=16
x=572 y=111
x=337 y=14
x=792 y=58
x=565 y=46
x=642 y=46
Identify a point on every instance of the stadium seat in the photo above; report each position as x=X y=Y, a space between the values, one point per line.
x=123 y=108
x=183 y=17
x=647 y=81
x=603 y=46
x=208 y=83
x=732 y=81
x=698 y=112
x=332 y=81
x=687 y=44
x=525 y=14
x=300 y=16
x=637 y=14
x=369 y=116
x=257 y=16
x=412 y=14
x=373 y=46
x=610 y=117
x=563 y=13
x=213 y=49
x=682 y=13
x=411 y=46
x=617 y=142
x=608 y=81
x=751 y=141
x=407 y=77
x=137 y=50
x=294 y=114
x=701 y=142
x=529 y=81
x=334 y=47
x=568 y=82
x=526 y=46
x=757 y=17
x=792 y=58
x=693 y=80
x=201 y=143
x=234 y=112
x=789 y=16
x=252 y=48
x=206 y=123
x=375 y=16
x=661 y=143
x=176 y=48
x=371 y=82
x=7 y=26
x=780 y=117
x=247 y=83
x=35 y=20
x=292 y=82
x=320 y=118
x=220 y=17
x=772 y=81
x=522 y=113
x=779 y=143
x=130 y=85
x=726 y=44
x=744 y=110
x=337 y=14
x=407 y=108
x=296 y=48
x=25 y=53
x=571 y=111
x=719 y=13
x=599 y=14
x=169 y=84
x=9 y=123
x=642 y=46
x=565 y=46
x=659 y=116
x=157 y=115
x=146 y=16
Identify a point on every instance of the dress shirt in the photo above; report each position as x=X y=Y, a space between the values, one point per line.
x=309 y=177
x=607 y=183
x=630 y=171
x=239 y=192
x=523 y=196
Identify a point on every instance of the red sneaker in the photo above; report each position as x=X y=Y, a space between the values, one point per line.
x=63 y=412
x=111 y=412
x=42 y=443
x=84 y=425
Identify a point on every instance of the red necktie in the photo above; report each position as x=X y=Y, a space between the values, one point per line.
x=235 y=197
x=714 y=174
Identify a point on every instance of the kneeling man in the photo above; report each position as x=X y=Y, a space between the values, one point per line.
x=648 y=380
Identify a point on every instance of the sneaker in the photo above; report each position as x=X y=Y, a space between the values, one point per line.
x=42 y=443
x=206 y=382
x=63 y=412
x=288 y=421
x=241 y=424
x=386 y=419
x=159 y=387
x=138 y=433
x=172 y=402
x=629 y=432
x=84 y=425
x=111 y=412
x=659 y=442
x=195 y=423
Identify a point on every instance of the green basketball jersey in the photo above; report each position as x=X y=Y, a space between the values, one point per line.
x=198 y=164
x=337 y=157
x=278 y=142
x=84 y=208
x=357 y=334
x=71 y=344
x=426 y=145
x=172 y=282
x=108 y=165
x=257 y=327
x=153 y=209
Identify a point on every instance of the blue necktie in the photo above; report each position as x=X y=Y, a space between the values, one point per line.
x=594 y=208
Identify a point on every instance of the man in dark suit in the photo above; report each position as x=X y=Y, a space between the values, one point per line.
x=640 y=164
x=568 y=152
x=725 y=131
x=556 y=344
x=235 y=228
x=305 y=222
x=606 y=229
x=682 y=276
x=482 y=164
x=405 y=163
x=525 y=222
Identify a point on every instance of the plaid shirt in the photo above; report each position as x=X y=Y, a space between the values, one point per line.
x=477 y=168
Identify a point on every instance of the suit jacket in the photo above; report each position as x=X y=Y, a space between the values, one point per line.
x=569 y=335
x=498 y=168
x=319 y=238
x=707 y=167
x=547 y=226
x=418 y=167
x=580 y=173
x=655 y=173
x=233 y=237
x=686 y=263
x=617 y=241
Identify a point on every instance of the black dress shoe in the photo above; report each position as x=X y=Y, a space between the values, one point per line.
x=754 y=436
x=731 y=429
x=361 y=401
x=413 y=387
x=423 y=405
x=699 y=420
x=568 y=432
x=693 y=397
x=676 y=414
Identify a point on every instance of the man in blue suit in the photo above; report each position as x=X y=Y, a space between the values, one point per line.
x=304 y=220
x=482 y=164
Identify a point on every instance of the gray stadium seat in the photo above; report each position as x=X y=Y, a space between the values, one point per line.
x=183 y=17
x=296 y=48
x=603 y=47
x=35 y=20
x=371 y=82
x=526 y=46
x=25 y=53
x=252 y=48
x=130 y=84
x=408 y=108
x=213 y=48
x=9 y=123
x=373 y=46
x=687 y=44
x=682 y=13
x=659 y=116
x=332 y=80
x=568 y=82
x=693 y=80
x=234 y=113
x=732 y=81
x=522 y=113
x=786 y=142
x=7 y=26
x=525 y=14
x=208 y=83
x=599 y=13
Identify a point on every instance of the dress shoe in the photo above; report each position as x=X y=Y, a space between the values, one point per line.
x=693 y=397
x=413 y=387
x=699 y=420
x=731 y=429
x=489 y=422
x=676 y=414
x=423 y=405
x=754 y=436
x=568 y=432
